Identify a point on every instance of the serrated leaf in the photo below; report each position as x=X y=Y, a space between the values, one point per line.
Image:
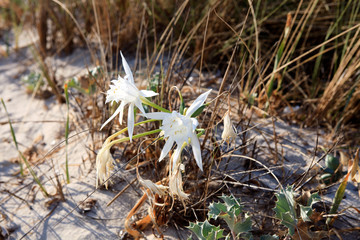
x=207 y=228
x=230 y=221
x=206 y=231
x=285 y=203
x=215 y=209
x=232 y=204
x=305 y=212
x=289 y=222
x=195 y=228
x=243 y=227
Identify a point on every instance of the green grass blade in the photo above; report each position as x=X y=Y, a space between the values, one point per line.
x=14 y=137
x=36 y=179
x=67 y=133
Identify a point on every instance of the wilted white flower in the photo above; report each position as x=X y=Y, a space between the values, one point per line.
x=154 y=188
x=180 y=129
x=175 y=182
x=228 y=133
x=124 y=90
x=104 y=165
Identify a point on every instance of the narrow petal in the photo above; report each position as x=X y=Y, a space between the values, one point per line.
x=166 y=149
x=127 y=69
x=118 y=110
x=195 y=123
x=196 y=150
x=139 y=105
x=158 y=115
x=197 y=103
x=122 y=105
x=176 y=156
x=148 y=93
x=131 y=121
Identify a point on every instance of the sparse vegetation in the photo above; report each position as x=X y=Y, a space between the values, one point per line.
x=270 y=64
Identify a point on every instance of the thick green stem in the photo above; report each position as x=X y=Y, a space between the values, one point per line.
x=109 y=145
x=125 y=129
x=151 y=104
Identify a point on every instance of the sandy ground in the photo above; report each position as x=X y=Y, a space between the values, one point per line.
x=38 y=123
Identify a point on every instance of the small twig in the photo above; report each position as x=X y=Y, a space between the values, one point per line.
x=121 y=192
x=16 y=196
x=45 y=217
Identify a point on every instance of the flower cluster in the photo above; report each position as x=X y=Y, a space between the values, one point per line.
x=178 y=128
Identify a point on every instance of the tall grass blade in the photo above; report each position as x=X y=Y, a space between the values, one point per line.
x=318 y=59
x=67 y=133
x=22 y=156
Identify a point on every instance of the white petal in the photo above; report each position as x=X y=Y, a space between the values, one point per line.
x=131 y=120
x=127 y=69
x=122 y=105
x=176 y=156
x=139 y=105
x=197 y=103
x=118 y=110
x=166 y=149
x=148 y=93
x=158 y=115
x=196 y=150
x=195 y=123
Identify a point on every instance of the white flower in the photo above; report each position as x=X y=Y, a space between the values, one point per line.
x=104 y=165
x=124 y=90
x=228 y=132
x=180 y=128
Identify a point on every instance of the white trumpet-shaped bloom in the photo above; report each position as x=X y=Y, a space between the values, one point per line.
x=124 y=90
x=180 y=129
x=228 y=134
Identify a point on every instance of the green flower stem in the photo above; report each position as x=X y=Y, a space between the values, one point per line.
x=109 y=145
x=147 y=102
x=125 y=129
x=202 y=131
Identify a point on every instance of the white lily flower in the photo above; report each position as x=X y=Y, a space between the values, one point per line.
x=124 y=90
x=180 y=129
x=228 y=133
